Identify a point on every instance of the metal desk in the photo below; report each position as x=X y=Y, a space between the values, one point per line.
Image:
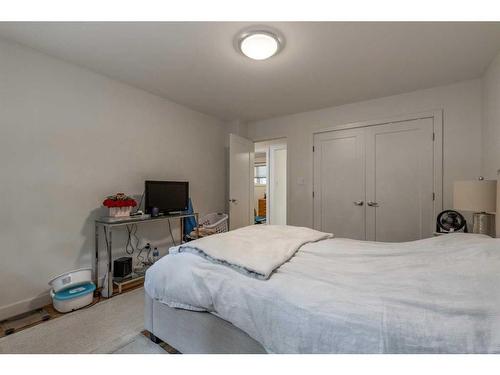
x=108 y=223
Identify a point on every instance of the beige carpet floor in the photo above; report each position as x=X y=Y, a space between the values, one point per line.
x=111 y=326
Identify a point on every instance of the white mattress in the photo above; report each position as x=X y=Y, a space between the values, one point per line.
x=439 y=295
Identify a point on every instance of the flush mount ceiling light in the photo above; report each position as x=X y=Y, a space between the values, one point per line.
x=260 y=44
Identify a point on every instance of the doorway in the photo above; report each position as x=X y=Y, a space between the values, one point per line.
x=270 y=182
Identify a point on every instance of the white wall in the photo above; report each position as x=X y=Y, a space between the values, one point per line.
x=491 y=120
x=491 y=127
x=68 y=138
x=461 y=105
x=237 y=127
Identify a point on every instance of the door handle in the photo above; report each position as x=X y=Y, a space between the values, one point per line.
x=372 y=204
x=358 y=203
x=233 y=200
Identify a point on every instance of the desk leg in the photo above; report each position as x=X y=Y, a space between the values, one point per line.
x=182 y=230
x=110 y=264
x=197 y=226
x=96 y=259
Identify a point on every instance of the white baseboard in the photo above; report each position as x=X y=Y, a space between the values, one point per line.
x=23 y=306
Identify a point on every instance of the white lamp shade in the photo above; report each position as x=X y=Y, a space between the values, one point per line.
x=475 y=196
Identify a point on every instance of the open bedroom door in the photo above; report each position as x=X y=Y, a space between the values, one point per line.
x=241 y=173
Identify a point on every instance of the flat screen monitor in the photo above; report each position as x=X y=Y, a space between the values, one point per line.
x=168 y=196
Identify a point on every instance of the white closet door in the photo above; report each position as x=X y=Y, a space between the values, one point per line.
x=399 y=181
x=339 y=183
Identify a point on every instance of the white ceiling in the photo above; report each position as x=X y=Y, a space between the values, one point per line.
x=323 y=64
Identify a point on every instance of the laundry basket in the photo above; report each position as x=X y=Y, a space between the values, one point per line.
x=216 y=222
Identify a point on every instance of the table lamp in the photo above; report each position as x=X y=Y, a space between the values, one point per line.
x=498 y=204
x=480 y=197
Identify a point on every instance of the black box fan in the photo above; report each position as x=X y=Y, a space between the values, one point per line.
x=451 y=221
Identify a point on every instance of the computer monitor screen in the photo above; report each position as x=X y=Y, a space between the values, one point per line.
x=167 y=196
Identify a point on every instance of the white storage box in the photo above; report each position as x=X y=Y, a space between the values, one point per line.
x=71 y=278
x=73 y=298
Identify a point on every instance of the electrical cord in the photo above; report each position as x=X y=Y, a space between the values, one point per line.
x=148 y=256
x=140 y=202
x=129 y=247
x=140 y=257
x=171 y=234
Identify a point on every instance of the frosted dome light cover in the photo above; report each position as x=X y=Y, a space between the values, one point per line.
x=259 y=45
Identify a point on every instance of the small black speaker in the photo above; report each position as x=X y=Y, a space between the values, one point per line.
x=122 y=267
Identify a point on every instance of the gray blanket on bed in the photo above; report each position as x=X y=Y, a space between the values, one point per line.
x=439 y=295
x=256 y=250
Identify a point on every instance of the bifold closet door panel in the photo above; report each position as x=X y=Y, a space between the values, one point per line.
x=399 y=181
x=339 y=183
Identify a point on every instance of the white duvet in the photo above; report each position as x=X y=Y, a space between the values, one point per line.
x=439 y=295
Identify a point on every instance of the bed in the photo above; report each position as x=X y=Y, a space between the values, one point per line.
x=321 y=294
